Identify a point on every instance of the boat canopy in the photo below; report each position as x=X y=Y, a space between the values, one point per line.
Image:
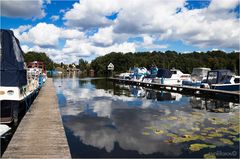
x=164 y=73
x=11 y=61
x=219 y=77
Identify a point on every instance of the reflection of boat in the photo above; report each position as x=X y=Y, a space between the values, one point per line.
x=170 y=77
x=212 y=105
x=198 y=75
x=163 y=95
x=221 y=80
x=137 y=91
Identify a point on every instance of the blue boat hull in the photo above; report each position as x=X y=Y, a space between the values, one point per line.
x=227 y=87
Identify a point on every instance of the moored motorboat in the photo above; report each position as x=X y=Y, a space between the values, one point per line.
x=170 y=77
x=138 y=74
x=222 y=80
x=197 y=76
x=16 y=86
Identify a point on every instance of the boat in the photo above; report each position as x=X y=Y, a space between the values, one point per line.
x=170 y=77
x=151 y=74
x=197 y=76
x=4 y=129
x=37 y=69
x=125 y=75
x=15 y=84
x=222 y=80
x=138 y=73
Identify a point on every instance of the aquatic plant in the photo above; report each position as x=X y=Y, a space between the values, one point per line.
x=197 y=147
x=236 y=139
x=209 y=156
x=158 y=132
x=145 y=133
x=226 y=141
x=214 y=134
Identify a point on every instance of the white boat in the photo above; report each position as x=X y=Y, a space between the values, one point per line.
x=171 y=77
x=4 y=129
x=138 y=74
x=222 y=80
x=125 y=75
x=15 y=83
x=37 y=69
x=198 y=75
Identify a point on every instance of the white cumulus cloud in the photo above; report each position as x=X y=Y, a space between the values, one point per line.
x=24 y=9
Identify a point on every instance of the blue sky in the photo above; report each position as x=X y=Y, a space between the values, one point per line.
x=69 y=30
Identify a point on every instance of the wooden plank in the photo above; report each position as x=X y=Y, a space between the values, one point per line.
x=40 y=133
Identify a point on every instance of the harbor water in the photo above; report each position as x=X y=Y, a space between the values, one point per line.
x=106 y=119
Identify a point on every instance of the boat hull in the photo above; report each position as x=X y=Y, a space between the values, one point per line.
x=226 y=87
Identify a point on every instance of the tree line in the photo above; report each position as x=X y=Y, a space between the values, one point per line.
x=170 y=59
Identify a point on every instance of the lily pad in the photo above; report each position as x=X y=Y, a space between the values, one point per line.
x=197 y=147
x=236 y=139
x=158 y=132
x=172 y=118
x=215 y=134
x=209 y=156
x=226 y=141
x=145 y=133
x=150 y=127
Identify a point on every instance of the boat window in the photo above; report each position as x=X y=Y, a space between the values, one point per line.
x=212 y=77
x=17 y=50
x=225 y=79
x=174 y=72
x=237 y=80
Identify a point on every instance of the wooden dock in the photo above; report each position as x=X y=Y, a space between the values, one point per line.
x=40 y=133
x=231 y=96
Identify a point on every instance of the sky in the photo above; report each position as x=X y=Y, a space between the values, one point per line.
x=67 y=30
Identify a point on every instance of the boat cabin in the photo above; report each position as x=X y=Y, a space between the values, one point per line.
x=219 y=77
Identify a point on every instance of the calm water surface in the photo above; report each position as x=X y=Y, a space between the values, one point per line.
x=102 y=119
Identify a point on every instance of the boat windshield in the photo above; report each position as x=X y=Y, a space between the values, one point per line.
x=197 y=71
x=212 y=77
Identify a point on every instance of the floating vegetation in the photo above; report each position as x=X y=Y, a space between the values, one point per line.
x=197 y=147
x=150 y=128
x=185 y=138
x=197 y=114
x=172 y=118
x=236 y=139
x=183 y=130
x=145 y=133
x=215 y=134
x=235 y=128
x=195 y=129
x=204 y=134
x=209 y=156
x=171 y=135
x=208 y=129
x=226 y=141
x=158 y=132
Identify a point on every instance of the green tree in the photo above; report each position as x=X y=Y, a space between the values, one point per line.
x=82 y=64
